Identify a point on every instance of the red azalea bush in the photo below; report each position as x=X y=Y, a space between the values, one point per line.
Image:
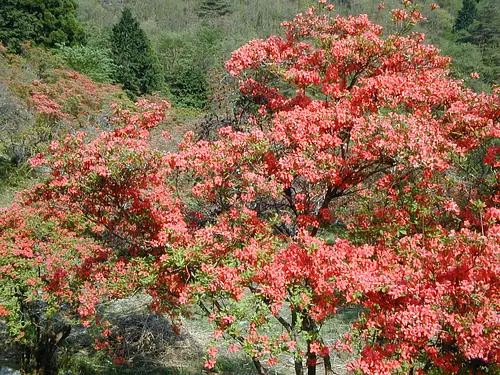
x=345 y=189
x=44 y=281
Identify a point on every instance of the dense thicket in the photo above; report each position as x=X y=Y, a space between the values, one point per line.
x=47 y=23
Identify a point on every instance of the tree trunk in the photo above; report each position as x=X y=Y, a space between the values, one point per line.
x=45 y=355
x=258 y=366
x=312 y=360
x=298 y=366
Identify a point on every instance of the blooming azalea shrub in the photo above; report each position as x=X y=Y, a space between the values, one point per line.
x=44 y=281
x=56 y=263
x=53 y=99
x=435 y=305
x=52 y=90
x=356 y=129
x=71 y=96
x=363 y=129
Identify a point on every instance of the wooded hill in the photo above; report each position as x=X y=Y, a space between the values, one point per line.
x=191 y=38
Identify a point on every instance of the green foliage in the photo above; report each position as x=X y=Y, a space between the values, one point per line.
x=137 y=66
x=213 y=8
x=474 y=43
x=466 y=15
x=188 y=86
x=92 y=61
x=187 y=61
x=484 y=33
x=467 y=58
x=453 y=6
x=46 y=23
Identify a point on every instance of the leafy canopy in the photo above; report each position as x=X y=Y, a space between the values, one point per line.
x=46 y=23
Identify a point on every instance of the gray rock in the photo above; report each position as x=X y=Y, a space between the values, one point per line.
x=8 y=371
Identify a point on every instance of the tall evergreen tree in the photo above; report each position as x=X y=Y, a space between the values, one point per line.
x=45 y=22
x=484 y=32
x=138 y=69
x=466 y=15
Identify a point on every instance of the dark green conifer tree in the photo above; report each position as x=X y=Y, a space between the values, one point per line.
x=484 y=32
x=45 y=22
x=213 y=8
x=466 y=15
x=138 y=69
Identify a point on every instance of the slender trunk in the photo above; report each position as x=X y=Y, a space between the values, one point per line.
x=328 y=365
x=312 y=360
x=298 y=366
x=330 y=194
x=310 y=326
x=258 y=366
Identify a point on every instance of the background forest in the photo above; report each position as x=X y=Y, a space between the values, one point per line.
x=109 y=67
x=192 y=39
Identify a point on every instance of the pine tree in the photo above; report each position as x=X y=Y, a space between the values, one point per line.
x=138 y=69
x=213 y=8
x=484 y=32
x=46 y=23
x=466 y=15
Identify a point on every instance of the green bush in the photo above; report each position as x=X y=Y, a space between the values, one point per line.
x=92 y=61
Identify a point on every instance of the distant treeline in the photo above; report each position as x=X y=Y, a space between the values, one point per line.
x=182 y=43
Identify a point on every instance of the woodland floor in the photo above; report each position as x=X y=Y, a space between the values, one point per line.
x=153 y=348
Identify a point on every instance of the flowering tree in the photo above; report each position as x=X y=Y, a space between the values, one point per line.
x=55 y=260
x=43 y=282
x=360 y=129
x=345 y=189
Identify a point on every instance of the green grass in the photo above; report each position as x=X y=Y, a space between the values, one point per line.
x=186 y=355
x=12 y=180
